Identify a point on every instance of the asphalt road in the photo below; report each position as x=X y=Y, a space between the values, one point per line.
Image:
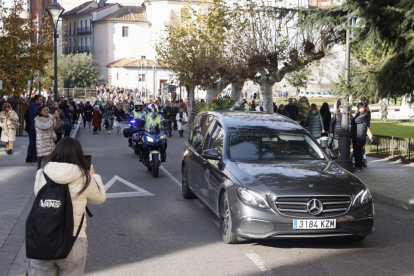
x=164 y=234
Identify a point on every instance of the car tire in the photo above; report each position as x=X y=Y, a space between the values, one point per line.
x=185 y=189
x=225 y=221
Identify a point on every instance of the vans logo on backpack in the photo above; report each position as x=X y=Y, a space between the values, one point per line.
x=50 y=203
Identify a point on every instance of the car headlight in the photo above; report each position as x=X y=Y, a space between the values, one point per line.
x=150 y=139
x=162 y=137
x=253 y=198
x=363 y=197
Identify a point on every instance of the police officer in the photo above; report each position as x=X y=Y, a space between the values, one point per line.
x=153 y=124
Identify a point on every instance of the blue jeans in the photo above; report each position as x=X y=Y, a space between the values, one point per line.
x=32 y=145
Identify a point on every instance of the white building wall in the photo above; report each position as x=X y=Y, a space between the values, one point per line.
x=110 y=46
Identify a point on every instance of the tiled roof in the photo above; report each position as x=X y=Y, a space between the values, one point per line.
x=128 y=13
x=77 y=9
x=131 y=63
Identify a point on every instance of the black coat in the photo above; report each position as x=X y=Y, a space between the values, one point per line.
x=326 y=117
x=88 y=113
x=168 y=113
x=283 y=112
x=359 y=126
x=293 y=111
x=335 y=125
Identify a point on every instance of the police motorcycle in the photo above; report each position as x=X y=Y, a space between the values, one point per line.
x=136 y=129
x=154 y=140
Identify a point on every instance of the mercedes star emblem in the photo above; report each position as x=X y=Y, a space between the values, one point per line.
x=314 y=207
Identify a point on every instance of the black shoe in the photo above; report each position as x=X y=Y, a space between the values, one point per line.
x=357 y=169
x=9 y=152
x=29 y=159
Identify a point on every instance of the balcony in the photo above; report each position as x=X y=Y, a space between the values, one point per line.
x=84 y=30
x=84 y=49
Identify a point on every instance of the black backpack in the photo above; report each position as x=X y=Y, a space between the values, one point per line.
x=49 y=226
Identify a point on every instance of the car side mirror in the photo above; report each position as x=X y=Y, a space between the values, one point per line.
x=211 y=154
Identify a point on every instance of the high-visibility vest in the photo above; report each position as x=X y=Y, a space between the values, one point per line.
x=138 y=114
x=152 y=122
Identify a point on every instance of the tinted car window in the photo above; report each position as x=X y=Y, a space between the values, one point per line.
x=198 y=133
x=217 y=140
x=273 y=146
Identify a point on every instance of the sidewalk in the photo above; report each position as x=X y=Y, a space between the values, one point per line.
x=16 y=200
x=390 y=182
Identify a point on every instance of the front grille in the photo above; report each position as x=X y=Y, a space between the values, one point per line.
x=296 y=206
x=256 y=226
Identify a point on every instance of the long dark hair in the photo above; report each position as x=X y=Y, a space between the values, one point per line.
x=69 y=150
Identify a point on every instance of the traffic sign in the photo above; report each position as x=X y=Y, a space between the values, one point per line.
x=109 y=77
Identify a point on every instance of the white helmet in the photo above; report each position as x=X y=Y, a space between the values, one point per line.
x=138 y=103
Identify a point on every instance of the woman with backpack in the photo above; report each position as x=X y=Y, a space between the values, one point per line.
x=45 y=125
x=314 y=122
x=67 y=165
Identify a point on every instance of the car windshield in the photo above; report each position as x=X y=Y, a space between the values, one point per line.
x=273 y=147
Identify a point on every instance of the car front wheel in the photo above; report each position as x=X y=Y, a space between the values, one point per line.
x=225 y=221
x=187 y=193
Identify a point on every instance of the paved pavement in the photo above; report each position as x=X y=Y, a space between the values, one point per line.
x=390 y=182
x=135 y=235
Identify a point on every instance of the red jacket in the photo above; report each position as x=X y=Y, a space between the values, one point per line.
x=96 y=117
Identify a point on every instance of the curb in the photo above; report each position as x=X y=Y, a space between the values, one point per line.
x=75 y=131
x=392 y=201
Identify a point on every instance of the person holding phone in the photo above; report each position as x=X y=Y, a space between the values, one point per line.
x=67 y=165
x=58 y=130
x=45 y=125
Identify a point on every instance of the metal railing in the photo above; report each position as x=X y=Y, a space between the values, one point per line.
x=391 y=146
x=85 y=30
x=83 y=49
x=77 y=93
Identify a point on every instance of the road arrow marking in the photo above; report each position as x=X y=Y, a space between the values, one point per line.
x=139 y=191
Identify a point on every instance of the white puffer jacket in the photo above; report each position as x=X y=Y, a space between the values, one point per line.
x=45 y=131
x=65 y=173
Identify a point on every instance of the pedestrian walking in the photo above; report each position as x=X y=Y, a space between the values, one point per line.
x=81 y=111
x=31 y=114
x=67 y=165
x=282 y=110
x=175 y=112
x=335 y=129
x=9 y=122
x=96 y=120
x=109 y=117
x=359 y=126
x=326 y=117
x=45 y=124
x=168 y=115
x=181 y=120
x=119 y=114
x=292 y=110
x=384 y=110
x=58 y=130
x=314 y=122
x=68 y=112
x=88 y=114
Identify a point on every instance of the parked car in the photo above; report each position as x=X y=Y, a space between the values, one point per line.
x=302 y=94
x=326 y=95
x=264 y=176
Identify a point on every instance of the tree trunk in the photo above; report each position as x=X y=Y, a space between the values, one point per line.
x=190 y=104
x=236 y=88
x=266 y=86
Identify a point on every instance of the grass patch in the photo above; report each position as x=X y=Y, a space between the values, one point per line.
x=403 y=130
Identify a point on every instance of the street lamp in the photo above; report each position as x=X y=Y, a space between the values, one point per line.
x=55 y=10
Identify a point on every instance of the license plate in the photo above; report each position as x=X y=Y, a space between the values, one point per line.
x=314 y=224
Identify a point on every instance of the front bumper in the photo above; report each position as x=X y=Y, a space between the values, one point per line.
x=256 y=223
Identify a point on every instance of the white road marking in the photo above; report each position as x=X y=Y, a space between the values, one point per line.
x=199 y=204
x=257 y=260
x=171 y=176
x=139 y=191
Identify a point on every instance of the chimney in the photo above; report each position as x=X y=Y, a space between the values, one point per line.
x=101 y=3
